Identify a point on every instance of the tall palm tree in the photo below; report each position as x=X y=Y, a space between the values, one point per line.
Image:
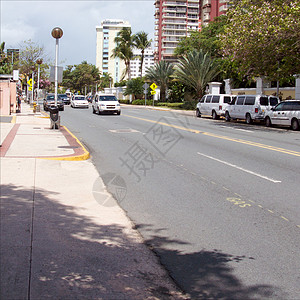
x=124 y=47
x=196 y=70
x=161 y=73
x=141 y=42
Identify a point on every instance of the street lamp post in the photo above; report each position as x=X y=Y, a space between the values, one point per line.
x=57 y=33
x=39 y=62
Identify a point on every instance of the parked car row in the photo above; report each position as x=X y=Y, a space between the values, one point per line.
x=251 y=108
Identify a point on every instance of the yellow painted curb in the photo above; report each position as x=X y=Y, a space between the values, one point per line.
x=84 y=156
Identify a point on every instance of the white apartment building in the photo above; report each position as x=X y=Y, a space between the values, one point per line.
x=136 y=62
x=105 y=43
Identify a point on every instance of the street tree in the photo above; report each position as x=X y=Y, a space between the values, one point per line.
x=30 y=52
x=263 y=37
x=206 y=40
x=141 y=42
x=78 y=77
x=161 y=73
x=195 y=70
x=123 y=50
x=105 y=81
x=135 y=87
x=5 y=65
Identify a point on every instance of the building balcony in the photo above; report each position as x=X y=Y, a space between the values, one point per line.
x=173 y=3
x=206 y=3
x=206 y=17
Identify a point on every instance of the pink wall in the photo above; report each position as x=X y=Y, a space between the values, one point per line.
x=7 y=98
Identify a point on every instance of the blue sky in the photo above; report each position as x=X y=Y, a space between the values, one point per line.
x=24 y=20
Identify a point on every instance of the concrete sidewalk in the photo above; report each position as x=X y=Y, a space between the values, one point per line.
x=63 y=236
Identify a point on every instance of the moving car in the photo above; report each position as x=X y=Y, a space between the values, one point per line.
x=64 y=98
x=50 y=101
x=213 y=105
x=286 y=113
x=250 y=107
x=79 y=101
x=106 y=103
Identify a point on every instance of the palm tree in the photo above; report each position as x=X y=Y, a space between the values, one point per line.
x=141 y=42
x=123 y=50
x=161 y=74
x=196 y=70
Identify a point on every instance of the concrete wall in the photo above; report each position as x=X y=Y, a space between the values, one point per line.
x=7 y=97
x=284 y=93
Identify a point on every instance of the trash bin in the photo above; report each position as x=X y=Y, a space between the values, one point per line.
x=54 y=117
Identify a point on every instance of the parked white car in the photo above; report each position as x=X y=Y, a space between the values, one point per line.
x=79 y=101
x=213 y=105
x=250 y=107
x=105 y=103
x=286 y=113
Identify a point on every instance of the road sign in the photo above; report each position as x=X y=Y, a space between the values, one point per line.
x=153 y=86
x=29 y=82
x=153 y=92
x=30 y=88
x=145 y=86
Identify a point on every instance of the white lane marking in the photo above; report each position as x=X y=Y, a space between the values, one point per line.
x=240 y=168
x=245 y=130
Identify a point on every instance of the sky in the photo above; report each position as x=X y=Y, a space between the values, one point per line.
x=34 y=20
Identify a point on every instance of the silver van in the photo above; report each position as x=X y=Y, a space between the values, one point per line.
x=250 y=107
x=213 y=105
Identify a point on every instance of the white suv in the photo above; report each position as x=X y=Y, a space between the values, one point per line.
x=105 y=103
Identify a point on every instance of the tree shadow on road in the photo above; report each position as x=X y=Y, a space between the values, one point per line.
x=206 y=274
x=73 y=257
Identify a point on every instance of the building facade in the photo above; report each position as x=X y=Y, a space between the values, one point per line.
x=174 y=19
x=105 y=43
x=136 y=62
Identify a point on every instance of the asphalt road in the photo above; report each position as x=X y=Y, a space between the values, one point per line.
x=218 y=202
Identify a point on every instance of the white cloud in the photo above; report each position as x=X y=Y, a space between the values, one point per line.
x=23 y=20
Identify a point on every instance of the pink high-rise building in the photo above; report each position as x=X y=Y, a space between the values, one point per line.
x=175 y=18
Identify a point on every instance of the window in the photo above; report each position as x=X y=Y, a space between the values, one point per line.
x=215 y=99
x=279 y=107
x=240 y=100
x=273 y=101
x=227 y=99
x=250 y=100
x=264 y=101
x=296 y=105
x=202 y=100
x=108 y=98
x=208 y=99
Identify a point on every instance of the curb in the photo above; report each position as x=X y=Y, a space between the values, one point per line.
x=74 y=142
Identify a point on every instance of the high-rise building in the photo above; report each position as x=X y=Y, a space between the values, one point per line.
x=105 y=43
x=136 y=62
x=174 y=19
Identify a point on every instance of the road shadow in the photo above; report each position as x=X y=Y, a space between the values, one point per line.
x=206 y=274
x=50 y=250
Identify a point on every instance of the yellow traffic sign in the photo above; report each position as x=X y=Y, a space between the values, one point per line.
x=153 y=92
x=153 y=86
x=30 y=88
x=29 y=82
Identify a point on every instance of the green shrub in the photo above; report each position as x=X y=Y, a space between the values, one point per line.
x=142 y=102
x=124 y=101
